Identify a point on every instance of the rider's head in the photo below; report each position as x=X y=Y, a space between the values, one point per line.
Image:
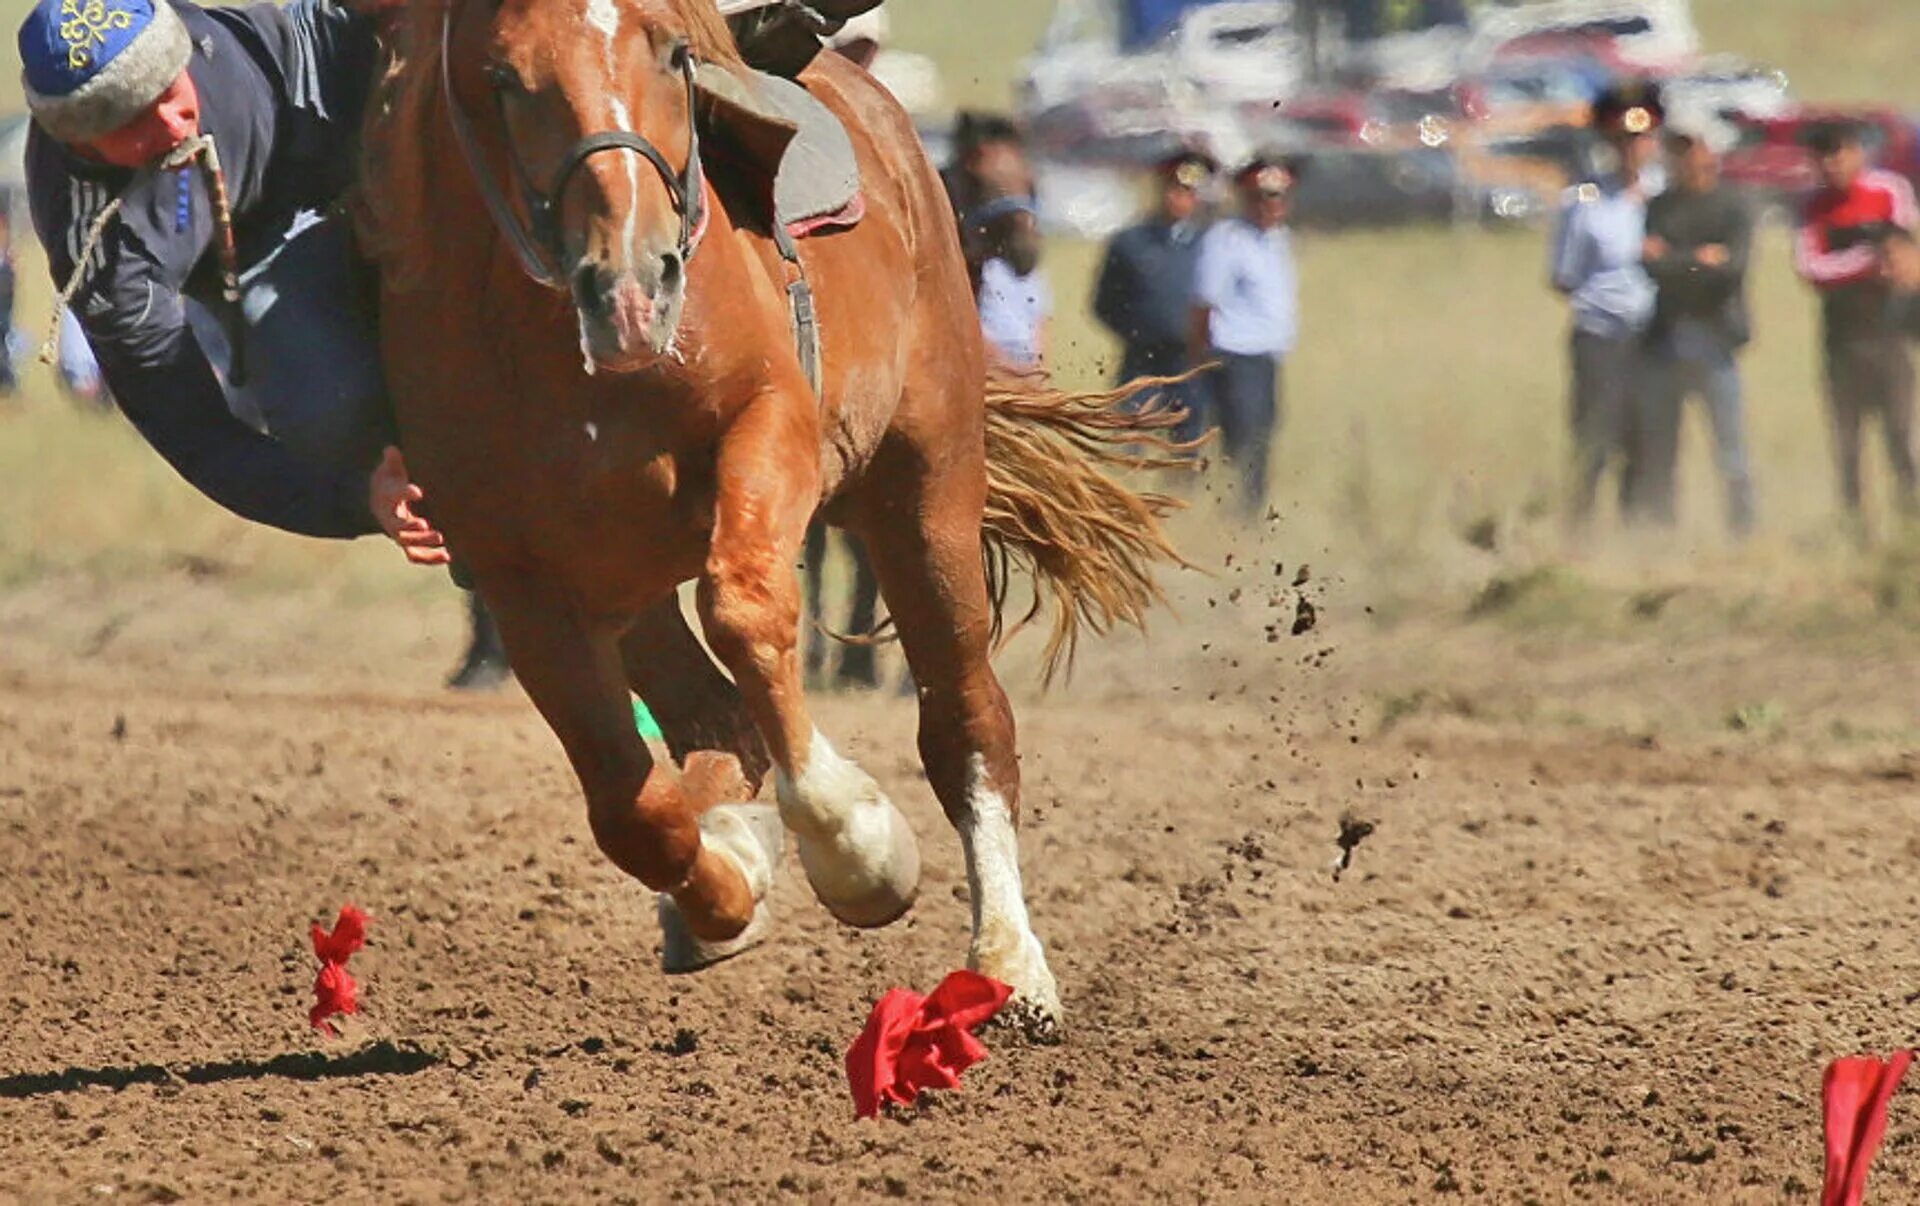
x=109 y=77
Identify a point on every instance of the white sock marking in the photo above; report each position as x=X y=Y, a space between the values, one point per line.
x=827 y=794
x=1004 y=945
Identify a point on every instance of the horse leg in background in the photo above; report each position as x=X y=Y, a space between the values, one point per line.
x=697 y=707
x=857 y=661
x=813 y=566
x=931 y=572
x=484 y=667
x=858 y=849
x=713 y=862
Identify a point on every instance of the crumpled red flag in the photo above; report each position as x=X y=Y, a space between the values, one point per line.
x=911 y=1042
x=1855 y=1096
x=334 y=989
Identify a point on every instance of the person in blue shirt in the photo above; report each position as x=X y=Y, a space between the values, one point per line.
x=1146 y=279
x=1245 y=319
x=1597 y=264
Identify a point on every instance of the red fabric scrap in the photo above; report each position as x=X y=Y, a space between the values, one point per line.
x=349 y=935
x=1855 y=1096
x=334 y=989
x=911 y=1042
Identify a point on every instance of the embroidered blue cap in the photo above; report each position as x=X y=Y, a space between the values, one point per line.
x=92 y=66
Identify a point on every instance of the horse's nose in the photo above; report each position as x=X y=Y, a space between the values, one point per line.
x=593 y=289
x=669 y=271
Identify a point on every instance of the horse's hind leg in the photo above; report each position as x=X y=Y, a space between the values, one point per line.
x=697 y=707
x=857 y=848
x=716 y=863
x=935 y=585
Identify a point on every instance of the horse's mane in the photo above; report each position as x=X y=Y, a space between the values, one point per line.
x=405 y=118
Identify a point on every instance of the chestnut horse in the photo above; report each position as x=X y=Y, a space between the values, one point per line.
x=588 y=340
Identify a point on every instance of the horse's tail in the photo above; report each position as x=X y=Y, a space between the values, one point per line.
x=1090 y=542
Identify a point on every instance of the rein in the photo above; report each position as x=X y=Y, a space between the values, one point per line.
x=538 y=244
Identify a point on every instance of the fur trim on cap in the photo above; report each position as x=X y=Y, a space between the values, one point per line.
x=120 y=91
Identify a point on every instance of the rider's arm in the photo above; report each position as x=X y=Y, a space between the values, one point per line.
x=137 y=325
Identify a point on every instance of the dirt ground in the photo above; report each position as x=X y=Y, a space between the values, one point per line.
x=1573 y=963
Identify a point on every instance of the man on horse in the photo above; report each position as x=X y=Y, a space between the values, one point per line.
x=189 y=157
x=185 y=169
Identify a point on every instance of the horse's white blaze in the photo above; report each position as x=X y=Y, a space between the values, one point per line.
x=604 y=16
x=1004 y=945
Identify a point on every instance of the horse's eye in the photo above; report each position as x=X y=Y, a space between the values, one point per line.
x=678 y=54
x=501 y=77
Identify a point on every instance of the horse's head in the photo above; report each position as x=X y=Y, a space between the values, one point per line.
x=591 y=104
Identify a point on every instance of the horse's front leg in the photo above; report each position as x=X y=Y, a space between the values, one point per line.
x=666 y=829
x=858 y=850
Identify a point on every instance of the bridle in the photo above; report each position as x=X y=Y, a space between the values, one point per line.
x=538 y=244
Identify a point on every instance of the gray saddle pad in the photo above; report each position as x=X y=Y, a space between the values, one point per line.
x=818 y=175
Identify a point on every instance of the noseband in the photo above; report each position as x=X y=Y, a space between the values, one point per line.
x=538 y=243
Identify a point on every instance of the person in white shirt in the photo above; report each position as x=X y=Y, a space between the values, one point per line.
x=1015 y=303
x=1245 y=319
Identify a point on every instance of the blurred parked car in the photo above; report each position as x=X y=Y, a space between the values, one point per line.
x=1354 y=187
x=1771 y=160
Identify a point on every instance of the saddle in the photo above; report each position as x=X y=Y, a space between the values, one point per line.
x=805 y=173
x=810 y=176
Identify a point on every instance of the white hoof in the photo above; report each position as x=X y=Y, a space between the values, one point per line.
x=866 y=873
x=858 y=849
x=1035 y=1008
x=751 y=835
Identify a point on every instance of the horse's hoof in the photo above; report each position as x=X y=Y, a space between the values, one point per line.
x=682 y=951
x=1034 y=1012
x=1034 y=1023
x=867 y=872
x=751 y=835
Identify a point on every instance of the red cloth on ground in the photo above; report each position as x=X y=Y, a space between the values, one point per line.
x=1855 y=1096
x=911 y=1042
x=349 y=935
x=334 y=990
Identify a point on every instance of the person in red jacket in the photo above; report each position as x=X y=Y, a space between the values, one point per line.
x=1853 y=232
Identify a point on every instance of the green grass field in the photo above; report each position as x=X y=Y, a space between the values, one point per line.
x=1424 y=411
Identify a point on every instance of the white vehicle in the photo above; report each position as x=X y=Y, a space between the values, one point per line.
x=1727 y=87
x=1215 y=55
x=1645 y=35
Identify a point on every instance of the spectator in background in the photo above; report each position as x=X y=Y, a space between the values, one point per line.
x=989 y=164
x=1015 y=303
x=9 y=379
x=1699 y=234
x=1146 y=281
x=1850 y=238
x=1245 y=317
x=1596 y=264
x=79 y=372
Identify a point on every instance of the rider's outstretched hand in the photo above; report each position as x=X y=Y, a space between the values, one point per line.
x=392 y=495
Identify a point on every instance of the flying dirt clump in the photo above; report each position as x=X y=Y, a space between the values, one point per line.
x=1353 y=831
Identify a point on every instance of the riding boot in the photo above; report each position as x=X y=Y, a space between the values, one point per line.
x=485 y=666
x=783 y=36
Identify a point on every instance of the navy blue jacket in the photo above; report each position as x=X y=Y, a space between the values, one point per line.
x=1145 y=292
x=281 y=92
